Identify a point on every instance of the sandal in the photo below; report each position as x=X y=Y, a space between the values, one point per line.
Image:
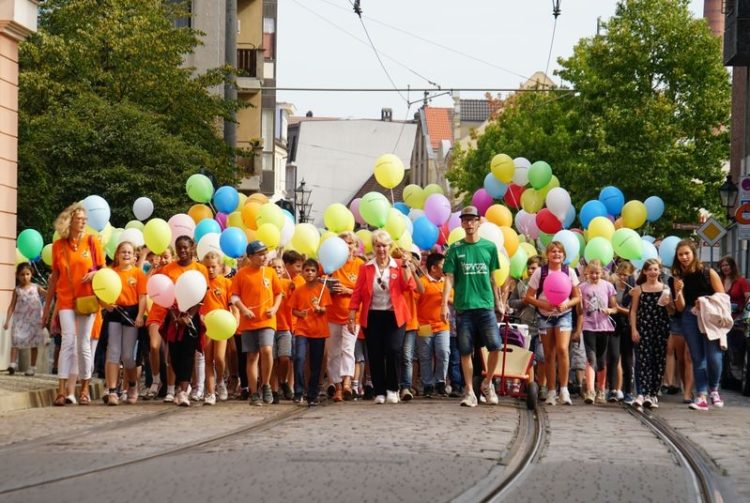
x=84 y=399
x=59 y=401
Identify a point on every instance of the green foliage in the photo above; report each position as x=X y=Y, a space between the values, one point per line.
x=650 y=114
x=106 y=108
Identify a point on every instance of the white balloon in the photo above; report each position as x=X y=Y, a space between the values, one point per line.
x=415 y=213
x=190 y=289
x=209 y=243
x=143 y=207
x=521 y=174
x=287 y=231
x=558 y=202
x=133 y=236
x=492 y=232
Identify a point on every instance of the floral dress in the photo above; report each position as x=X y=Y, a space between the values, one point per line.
x=652 y=323
x=27 y=329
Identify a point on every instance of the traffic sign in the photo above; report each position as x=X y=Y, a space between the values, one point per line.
x=711 y=231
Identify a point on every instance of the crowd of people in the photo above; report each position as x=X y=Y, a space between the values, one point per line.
x=385 y=327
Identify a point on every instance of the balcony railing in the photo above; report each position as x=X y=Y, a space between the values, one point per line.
x=247 y=62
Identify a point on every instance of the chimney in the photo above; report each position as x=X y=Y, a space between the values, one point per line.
x=712 y=12
x=386 y=114
x=309 y=113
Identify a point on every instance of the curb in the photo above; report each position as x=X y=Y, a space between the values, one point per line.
x=42 y=397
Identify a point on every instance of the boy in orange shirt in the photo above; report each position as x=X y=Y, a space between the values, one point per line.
x=309 y=303
x=217 y=297
x=434 y=333
x=256 y=292
x=282 y=347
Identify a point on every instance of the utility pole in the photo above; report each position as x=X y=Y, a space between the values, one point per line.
x=302 y=202
x=230 y=58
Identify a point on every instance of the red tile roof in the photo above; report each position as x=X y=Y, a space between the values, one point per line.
x=439 y=125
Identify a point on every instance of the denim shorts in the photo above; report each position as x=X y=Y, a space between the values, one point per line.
x=563 y=322
x=675 y=325
x=477 y=327
x=252 y=340
x=282 y=344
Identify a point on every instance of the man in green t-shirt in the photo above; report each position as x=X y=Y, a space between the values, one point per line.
x=468 y=269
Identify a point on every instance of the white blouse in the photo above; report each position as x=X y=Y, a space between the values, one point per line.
x=381 y=286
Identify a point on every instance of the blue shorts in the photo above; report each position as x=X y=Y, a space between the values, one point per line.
x=563 y=322
x=477 y=326
x=675 y=325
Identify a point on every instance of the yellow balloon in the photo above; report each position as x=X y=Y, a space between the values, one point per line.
x=55 y=236
x=250 y=213
x=553 y=182
x=106 y=233
x=430 y=189
x=20 y=258
x=499 y=215
x=502 y=168
x=107 y=285
x=389 y=170
x=272 y=214
x=306 y=239
x=414 y=196
x=601 y=227
x=532 y=200
x=235 y=220
x=220 y=325
x=529 y=248
x=501 y=275
x=634 y=214
x=395 y=225
x=269 y=234
x=338 y=218
x=405 y=241
x=243 y=200
x=365 y=237
x=133 y=224
x=157 y=234
x=251 y=234
x=47 y=254
x=456 y=235
x=257 y=197
x=510 y=240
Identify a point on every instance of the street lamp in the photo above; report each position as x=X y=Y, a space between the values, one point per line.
x=728 y=194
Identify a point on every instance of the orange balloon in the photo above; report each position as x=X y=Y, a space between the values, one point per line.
x=250 y=213
x=200 y=211
x=618 y=223
x=499 y=215
x=510 y=240
x=261 y=198
x=250 y=233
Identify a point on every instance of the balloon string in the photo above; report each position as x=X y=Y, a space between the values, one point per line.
x=325 y=279
x=392 y=202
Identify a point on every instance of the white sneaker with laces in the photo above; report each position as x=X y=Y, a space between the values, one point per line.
x=380 y=399
x=182 y=399
x=196 y=395
x=565 y=397
x=210 y=399
x=469 y=400
x=391 y=396
x=488 y=390
x=221 y=392
x=551 y=398
x=169 y=398
x=716 y=400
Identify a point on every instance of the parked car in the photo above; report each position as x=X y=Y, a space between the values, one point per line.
x=736 y=369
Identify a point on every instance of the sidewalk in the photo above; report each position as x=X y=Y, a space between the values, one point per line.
x=22 y=392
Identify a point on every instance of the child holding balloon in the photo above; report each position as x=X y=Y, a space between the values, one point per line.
x=217 y=297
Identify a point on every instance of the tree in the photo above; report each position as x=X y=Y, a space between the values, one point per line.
x=106 y=107
x=649 y=114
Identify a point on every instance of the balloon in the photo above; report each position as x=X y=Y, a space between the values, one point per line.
x=306 y=238
x=532 y=201
x=482 y=200
x=654 y=208
x=600 y=249
x=388 y=170
x=97 y=212
x=521 y=221
x=430 y=189
x=409 y=224
x=241 y=203
x=338 y=218
x=30 y=243
x=374 y=209
x=634 y=214
x=258 y=197
x=667 y=250
x=513 y=196
x=502 y=168
x=627 y=244
x=209 y=243
x=414 y=196
x=540 y=173
x=220 y=325
x=133 y=236
x=649 y=251
x=286 y=232
x=454 y=221
x=590 y=210
x=402 y=207
x=499 y=215
x=510 y=240
x=601 y=226
x=494 y=187
x=226 y=199
x=333 y=253
x=272 y=214
x=504 y=271
x=199 y=188
x=221 y=219
x=354 y=208
x=553 y=183
x=135 y=224
x=416 y=213
x=160 y=289
x=157 y=235
x=365 y=238
x=112 y=243
x=545 y=238
x=456 y=234
x=518 y=263
x=557 y=287
x=250 y=213
x=20 y=258
x=521 y=174
x=425 y=233
x=189 y=289
x=181 y=225
x=200 y=212
x=437 y=209
x=233 y=242
x=650 y=239
x=529 y=248
x=269 y=234
x=47 y=254
x=570 y=217
x=394 y=224
x=143 y=207
x=558 y=202
x=547 y=221
x=107 y=285
x=532 y=229
x=405 y=242
x=613 y=199
x=570 y=243
x=235 y=220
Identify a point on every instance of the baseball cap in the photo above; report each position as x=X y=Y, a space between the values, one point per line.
x=469 y=211
x=255 y=247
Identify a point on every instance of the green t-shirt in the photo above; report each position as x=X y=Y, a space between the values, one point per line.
x=471 y=265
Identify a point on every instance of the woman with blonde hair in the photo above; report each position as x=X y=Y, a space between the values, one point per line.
x=76 y=257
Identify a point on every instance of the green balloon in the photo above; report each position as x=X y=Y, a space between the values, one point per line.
x=199 y=188
x=599 y=249
x=627 y=244
x=518 y=263
x=581 y=240
x=114 y=240
x=540 y=174
x=30 y=244
x=135 y=224
x=374 y=208
x=545 y=239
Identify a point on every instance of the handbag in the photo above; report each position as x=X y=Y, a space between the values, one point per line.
x=86 y=304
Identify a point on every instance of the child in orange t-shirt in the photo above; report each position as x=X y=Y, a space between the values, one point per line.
x=433 y=338
x=217 y=297
x=410 y=334
x=282 y=344
x=309 y=303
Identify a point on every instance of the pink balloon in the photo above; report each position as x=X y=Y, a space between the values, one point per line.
x=482 y=200
x=437 y=209
x=454 y=220
x=557 y=287
x=222 y=219
x=354 y=208
x=181 y=225
x=161 y=290
x=532 y=230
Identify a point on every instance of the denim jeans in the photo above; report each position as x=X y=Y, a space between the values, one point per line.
x=477 y=327
x=706 y=355
x=454 y=365
x=316 y=347
x=407 y=358
x=437 y=345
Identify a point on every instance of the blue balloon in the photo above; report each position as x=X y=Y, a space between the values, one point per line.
x=650 y=239
x=425 y=233
x=233 y=242
x=570 y=217
x=97 y=212
x=333 y=253
x=667 y=250
x=649 y=251
x=613 y=199
x=571 y=244
x=226 y=199
x=402 y=207
x=206 y=226
x=590 y=210
x=288 y=215
x=654 y=208
x=494 y=187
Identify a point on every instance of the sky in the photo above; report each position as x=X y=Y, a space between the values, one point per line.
x=480 y=44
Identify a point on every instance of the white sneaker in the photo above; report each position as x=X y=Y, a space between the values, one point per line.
x=620 y=396
x=565 y=397
x=638 y=401
x=654 y=402
x=221 y=392
x=488 y=390
x=182 y=399
x=405 y=395
x=196 y=395
x=30 y=371
x=169 y=398
x=470 y=400
x=210 y=399
x=551 y=398
x=380 y=399
x=391 y=396
x=123 y=396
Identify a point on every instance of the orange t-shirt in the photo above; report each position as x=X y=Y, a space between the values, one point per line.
x=218 y=294
x=314 y=325
x=430 y=304
x=284 y=318
x=347 y=276
x=96 y=329
x=72 y=265
x=257 y=289
x=411 y=300
x=133 y=286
